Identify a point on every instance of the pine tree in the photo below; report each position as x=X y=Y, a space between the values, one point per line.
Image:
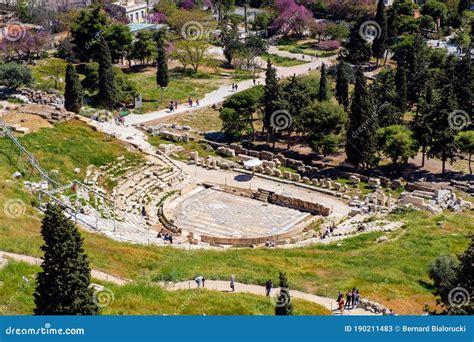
x=284 y=307
x=162 y=77
x=342 y=85
x=73 y=90
x=107 y=88
x=401 y=87
x=63 y=284
x=379 y=45
x=361 y=144
x=443 y=145
x=270 y=96
x=323 y=85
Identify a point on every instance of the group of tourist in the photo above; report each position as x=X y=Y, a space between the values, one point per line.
x=173 y=105
x=165 y=237
x=235 y=86
x=352 y=299
x=270 y=243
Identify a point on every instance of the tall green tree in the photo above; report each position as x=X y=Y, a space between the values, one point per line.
x=358 y=48
x=107 y=87
x=361 y=142
x=323 y=122
x=86 y=28
x=443 y=144
x=422 y=124
x=120 y=41
x=379 y=45
x=465 y=144
x=270 y=96
x=323 y=84
x=63 y=284
x=162 y=77
x=402 y=88
x=453 y=282
x=73 y=90
x=284 y=306
x=342 y=85
x=464 y=82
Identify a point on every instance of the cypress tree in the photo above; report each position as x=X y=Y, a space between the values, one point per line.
x=443 y=144
x=361 y=144
x=379 y=45
x=401 y=86
x=284 y=307
x=107 y=88
x=162 y=77
x=270 y=96
x=342 y=85
x=421 y=124
x=73 y=90
x=63 y=284
x=323 y=84
x=464 y=83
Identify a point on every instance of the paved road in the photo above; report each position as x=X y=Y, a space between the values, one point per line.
x=224 y=286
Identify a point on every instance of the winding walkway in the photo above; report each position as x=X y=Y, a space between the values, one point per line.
x=223 y=286
x=224 y=91
x=216 y=285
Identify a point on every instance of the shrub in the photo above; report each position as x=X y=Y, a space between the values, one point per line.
x=14 y=75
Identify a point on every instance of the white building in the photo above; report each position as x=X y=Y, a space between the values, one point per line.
x=134 y=11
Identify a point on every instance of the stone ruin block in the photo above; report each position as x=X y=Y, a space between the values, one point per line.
x=254 y=154
x=354 y=180
x=269 y=164
x=374 y=182
x=277 y=173
x=266 y=155
x=287 y=174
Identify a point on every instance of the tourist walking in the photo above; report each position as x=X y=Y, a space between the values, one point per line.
x=197 y=102
x=268 y=287
x=190 y=102
x=232 y=282
x=175 y=104
x=199 y=281
x=348 y=298
x=355 y=298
